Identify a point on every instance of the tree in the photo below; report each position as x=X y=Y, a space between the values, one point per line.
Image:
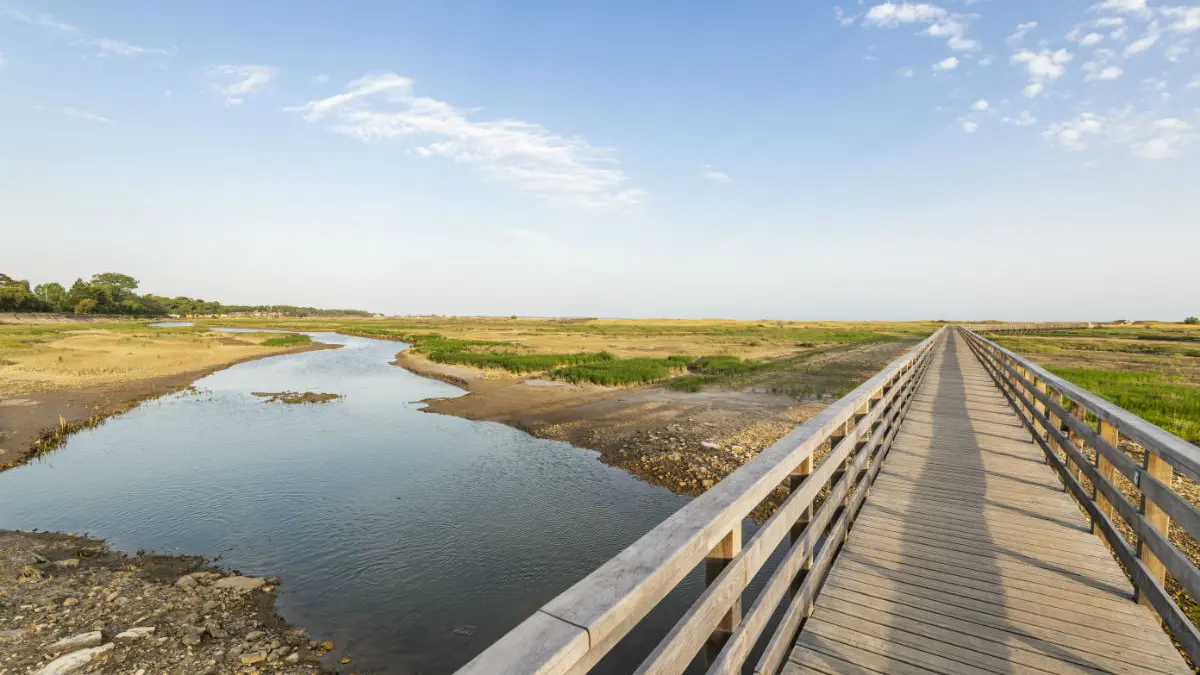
x=1192 y=320
x=118 y=283
x=53 y=294
x=15 y=296
x=85 y=306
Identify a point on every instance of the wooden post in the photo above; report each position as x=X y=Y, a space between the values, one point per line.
x=1109 y=433
x=1158 y=468
x=1039 y=406
x=716 y=562
x=797 y=477
x=1075 y=439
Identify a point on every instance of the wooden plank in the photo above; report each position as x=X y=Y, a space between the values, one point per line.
x=1156 y=517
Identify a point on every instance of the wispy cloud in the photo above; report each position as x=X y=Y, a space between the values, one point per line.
x=107 y=46
x=39 y=20
x=568 y=170
x=948 y=63
x=119 y=48
x=68 y=111
x=234 y=82
x=1143 y=134
x=1043 y=66
x=716 y=176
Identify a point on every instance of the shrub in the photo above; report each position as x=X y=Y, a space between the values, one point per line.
x=289 y=340
x=1192 y=320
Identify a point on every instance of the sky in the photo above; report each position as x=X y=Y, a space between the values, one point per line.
x=788 y=159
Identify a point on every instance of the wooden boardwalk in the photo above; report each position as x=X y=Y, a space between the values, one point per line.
x=968 y=557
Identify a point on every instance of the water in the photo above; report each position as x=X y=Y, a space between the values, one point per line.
x=412 y=540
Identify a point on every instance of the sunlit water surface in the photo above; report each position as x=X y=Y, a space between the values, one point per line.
x=411 y=540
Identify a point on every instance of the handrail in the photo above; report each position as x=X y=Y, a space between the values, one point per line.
x=1018 y=327
x=572 y=632
x=1055 y=411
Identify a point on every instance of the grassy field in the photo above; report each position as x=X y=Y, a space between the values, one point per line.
x=1150 y=370
x=687 y=355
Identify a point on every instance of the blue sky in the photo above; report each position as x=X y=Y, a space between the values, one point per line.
x=1017 y=159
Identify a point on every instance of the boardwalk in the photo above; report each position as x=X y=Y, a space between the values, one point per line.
x=968 y=557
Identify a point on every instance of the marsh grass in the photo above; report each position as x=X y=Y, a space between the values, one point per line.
x=289 y=340
x=619 y=372
x=1157 y=398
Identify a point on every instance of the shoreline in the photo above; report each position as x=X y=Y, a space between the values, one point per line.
x=684 y=442
x=71 y=597
x=40 y=422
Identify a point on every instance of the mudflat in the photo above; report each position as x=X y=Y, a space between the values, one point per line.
x=56 y=377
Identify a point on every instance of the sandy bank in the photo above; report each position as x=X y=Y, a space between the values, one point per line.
x=685 y=442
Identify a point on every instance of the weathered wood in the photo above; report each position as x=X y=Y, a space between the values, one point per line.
x=1155 y=516
x=1104 y=467
x=716 y=562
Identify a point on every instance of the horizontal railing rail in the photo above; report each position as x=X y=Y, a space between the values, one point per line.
x=1001 y=327
x=1057 y=413
x=572 y=632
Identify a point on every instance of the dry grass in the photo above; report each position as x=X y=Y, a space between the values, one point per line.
x=85 y=356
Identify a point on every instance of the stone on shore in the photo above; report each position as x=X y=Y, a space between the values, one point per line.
x=69 y=663
x=134 y=634
x=241 y=583
x=81 y=641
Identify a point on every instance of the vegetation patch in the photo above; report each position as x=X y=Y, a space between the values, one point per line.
x=1155 y=397
x=295 y=397
x=618 y=372
x=289 y=340
x=721 y=369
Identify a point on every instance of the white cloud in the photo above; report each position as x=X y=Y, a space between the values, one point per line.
x=942 y=24
x=68 y=111
x=905 y=72
x=1073 y=134
x=567 y=170
x=980 y=105
x=1090 y=39
x=970 y=127
x=1141 y=45
x=948 y=63
x=1141 y=133
x=1195 y=83
x=844 y=19
x=1168 y=139
x=39 y=20
x=1019 y=34
x=1109 y=21
x=124 y=48
x=716 y=176
x=890 y=14
x=1175 y=53
x=234 y=82
x=1043 y=66
x=1025 y=119
x=1096 y=72
x=1185 y=19
x=1122 y=6
x=321 y=79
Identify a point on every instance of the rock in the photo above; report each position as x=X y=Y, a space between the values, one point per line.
x=81 y=641
x=39 y=558
x=134 y=634
x=240 y=583
x=214 y=629
x=709 y=445
x=70 y=601
x=13 y=635
x=67 y=562
x=192 y=635
x=253 y=658
x=112 y=596
x=187 y=582
x=294 y=657
x=255 y=636
x=69 y=663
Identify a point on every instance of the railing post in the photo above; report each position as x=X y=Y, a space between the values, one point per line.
x=1075 y=439
x=1156 y=467
x=1109 y=433
x=716 y=562
x=797 y=477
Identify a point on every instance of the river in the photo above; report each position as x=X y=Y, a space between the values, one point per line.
x=411 y=540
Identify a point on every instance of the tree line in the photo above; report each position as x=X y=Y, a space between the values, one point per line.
x=115 y=293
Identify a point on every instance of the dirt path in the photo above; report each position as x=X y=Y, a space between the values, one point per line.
x=65 y=598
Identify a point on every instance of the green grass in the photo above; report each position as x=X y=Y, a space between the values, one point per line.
x=1154 y=397
x=1133 y=345
x=717 y=370
x=618 y=372
x=289 y=340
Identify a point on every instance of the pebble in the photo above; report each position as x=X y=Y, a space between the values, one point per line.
x=67 y=562
x=67 y=644
x=74 y=661
x=253 y=658
x=255 y=636
x=134 y=634
x=294 y=657
x=241 y=583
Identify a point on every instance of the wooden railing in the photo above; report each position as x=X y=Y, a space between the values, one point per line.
x=572 y=632
x=1080 y=434
x=1021 y=327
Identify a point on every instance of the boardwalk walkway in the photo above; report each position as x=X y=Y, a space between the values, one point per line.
x=968 y=557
